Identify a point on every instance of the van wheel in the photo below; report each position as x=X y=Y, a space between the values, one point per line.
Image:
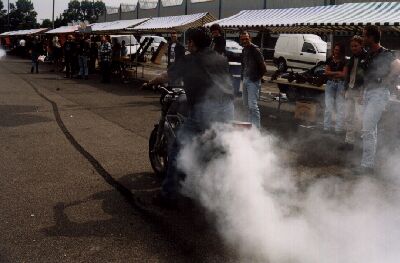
x=282 y=66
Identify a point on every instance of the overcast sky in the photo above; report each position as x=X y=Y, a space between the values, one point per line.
x=44 y=7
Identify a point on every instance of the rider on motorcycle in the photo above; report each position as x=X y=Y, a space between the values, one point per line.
x=209 y=91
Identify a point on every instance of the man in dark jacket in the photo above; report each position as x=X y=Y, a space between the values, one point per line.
x=83 y=56
x=219 y=42
x=253 y=69
x=69 y=56
x=209 y=92
x=176 y=50
x=36 y=51
x=378 y=78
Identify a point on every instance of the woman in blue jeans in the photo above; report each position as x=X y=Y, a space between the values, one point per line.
x=334 y=93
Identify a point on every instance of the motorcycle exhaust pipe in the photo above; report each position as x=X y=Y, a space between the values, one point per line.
x=242 y=125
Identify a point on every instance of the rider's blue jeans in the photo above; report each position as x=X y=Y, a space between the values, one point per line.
x=375 y=102
x=200 y=119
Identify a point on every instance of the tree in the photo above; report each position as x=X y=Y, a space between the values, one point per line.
x=3 y=18
x=23 y=15
x=46 y=23
x=81 y=11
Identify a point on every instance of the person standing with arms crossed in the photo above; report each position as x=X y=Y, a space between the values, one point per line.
x=253 y=69
x=335 y=90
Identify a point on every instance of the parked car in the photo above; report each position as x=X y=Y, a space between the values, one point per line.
x=299 y=51
x=155 y=43
x=130 y=41
x=233 y=48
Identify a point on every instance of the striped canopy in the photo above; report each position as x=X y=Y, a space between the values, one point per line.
x=175 y=23
x=342 y=17
x=116 y=26
x=24 y=32
x=64 y=30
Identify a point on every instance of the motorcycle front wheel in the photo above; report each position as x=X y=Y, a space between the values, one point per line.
x=158 y=157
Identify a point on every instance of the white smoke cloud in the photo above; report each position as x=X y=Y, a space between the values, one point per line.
x=268 y=214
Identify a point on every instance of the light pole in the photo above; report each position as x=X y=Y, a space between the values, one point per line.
x=8 y=14
x=52 y=18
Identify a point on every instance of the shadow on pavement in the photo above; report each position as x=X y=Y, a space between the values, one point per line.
x=187 y=234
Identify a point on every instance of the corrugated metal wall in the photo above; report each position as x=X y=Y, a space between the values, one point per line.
x=294 y=3
x=128 y=15
x=231 y=7
x=228 y=7
x=146 y=13
x=172 y=10
x=212 y=7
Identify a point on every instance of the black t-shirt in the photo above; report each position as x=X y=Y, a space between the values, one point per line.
x=219 y=44
x=336 y=66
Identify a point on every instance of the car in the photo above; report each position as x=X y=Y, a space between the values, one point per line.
x=233 y=50
x=301 y=51
x=155 y=43
x=130 y=41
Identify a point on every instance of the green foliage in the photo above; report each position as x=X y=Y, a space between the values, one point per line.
x=23 y=15
x=46 y=23
x=81 y=11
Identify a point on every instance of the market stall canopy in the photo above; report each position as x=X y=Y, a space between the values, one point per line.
x=344 y=17
x=115 y=27
x=64 y=30
x=175 y=23
x=25 y=32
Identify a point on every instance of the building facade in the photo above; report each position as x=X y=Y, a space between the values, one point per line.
x=218 y=8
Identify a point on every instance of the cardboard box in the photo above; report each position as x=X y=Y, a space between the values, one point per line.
x=306 y=111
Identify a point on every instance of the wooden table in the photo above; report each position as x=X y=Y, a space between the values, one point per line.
x=294 y=90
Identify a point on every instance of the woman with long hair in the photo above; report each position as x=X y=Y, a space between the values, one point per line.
x=335 y=89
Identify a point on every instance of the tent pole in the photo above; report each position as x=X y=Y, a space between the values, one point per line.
x=220 y=10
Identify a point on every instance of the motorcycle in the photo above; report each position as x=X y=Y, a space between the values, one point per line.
x=174 y=110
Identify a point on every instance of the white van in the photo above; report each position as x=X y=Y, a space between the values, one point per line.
x=130 y=41
x=299 y=51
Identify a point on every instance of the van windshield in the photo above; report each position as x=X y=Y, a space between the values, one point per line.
x=321 y=47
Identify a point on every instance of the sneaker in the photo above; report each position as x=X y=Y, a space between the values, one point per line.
x=346 y=147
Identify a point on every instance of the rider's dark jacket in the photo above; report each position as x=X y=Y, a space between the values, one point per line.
x=206 y=77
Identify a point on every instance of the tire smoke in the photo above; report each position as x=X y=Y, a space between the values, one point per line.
x=268 y=214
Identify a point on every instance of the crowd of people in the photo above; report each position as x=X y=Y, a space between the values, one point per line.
x=78 y=56
x=358 y=91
